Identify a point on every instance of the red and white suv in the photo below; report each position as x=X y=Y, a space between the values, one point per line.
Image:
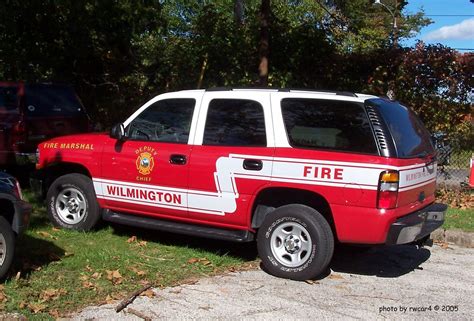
x=298 y=170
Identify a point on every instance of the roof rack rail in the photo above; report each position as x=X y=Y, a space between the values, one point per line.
x=335 y=92
x=339 y=93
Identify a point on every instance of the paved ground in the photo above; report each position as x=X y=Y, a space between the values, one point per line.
x=384 y=283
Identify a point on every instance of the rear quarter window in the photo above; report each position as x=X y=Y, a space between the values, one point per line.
x=328 y=125
x=47 y=100
x=408 y=132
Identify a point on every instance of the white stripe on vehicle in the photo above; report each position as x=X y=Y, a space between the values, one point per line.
x=288 y=170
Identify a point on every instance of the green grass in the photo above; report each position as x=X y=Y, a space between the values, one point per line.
x=460 y=219
x=59 y=271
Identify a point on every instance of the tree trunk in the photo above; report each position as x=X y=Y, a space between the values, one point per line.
x=264 y=46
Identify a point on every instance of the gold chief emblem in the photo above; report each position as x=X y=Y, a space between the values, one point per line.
x=145 y=163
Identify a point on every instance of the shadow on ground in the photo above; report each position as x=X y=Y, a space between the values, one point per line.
x=245 y=251
x=383 y=261
x=31 y=254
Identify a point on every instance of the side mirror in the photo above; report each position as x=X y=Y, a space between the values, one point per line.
x=118 y=132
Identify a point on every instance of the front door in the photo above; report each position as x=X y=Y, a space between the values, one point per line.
x=148 y=172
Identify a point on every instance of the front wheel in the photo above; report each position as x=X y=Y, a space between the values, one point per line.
x=7 y=246
x=295 y=242
x=72 y=203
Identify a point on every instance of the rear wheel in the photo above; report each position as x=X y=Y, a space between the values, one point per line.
x=7 y=246
x=72 y=203
x=295 y=242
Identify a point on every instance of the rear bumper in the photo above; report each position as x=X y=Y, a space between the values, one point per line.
x=415 y=226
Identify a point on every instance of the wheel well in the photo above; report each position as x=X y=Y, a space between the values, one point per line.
x=271 y=198
x=8 y=211
x=52 y=172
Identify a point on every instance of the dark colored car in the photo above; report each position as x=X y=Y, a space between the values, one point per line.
x=14 y=218
x=32 y=113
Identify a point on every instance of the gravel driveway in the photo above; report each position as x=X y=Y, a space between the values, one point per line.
x=388 y=282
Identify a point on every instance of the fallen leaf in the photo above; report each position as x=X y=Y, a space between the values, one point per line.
x=46 y=234
x=54 y=313
x=96 y=275
x=148 y=293
x=137 y=271
x=55 y=229
x=336 y=277
x=205 y=262
x=132 y=239
x=190 y=282
x=36 y=307
x=88 y=268
x=88 y=285
x=109 y=299
x=52 y=294
x=22 y=305
x=68 y=254
x=3 y=297
x=142 y=243
x=114 y=276
x=311 y=282
x=193 y=260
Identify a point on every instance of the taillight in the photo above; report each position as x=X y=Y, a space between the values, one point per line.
x=19 y=133
x=19 y=128
x=388 y=190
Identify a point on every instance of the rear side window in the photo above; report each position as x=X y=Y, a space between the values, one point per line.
x=167 y=121
x=410 y=136
x=8 y=98
x=235 y=122
x=328 y=124
x=50 y=100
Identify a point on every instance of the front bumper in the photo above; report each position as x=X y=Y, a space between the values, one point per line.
x=415 y=226
x=22 y=215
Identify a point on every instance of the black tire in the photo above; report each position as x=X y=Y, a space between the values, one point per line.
x=297 y=262
x=72 y=203
x=7 y=246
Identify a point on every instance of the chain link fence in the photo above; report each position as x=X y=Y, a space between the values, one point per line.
x=453 y=167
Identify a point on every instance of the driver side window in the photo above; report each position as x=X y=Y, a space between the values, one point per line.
x=167 y=121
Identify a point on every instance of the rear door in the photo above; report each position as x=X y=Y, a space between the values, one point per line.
x=232 y=156
x=414 y=154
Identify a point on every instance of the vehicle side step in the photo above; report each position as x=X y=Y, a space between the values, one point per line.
x=177 y=227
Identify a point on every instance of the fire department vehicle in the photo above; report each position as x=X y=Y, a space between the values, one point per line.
x=296 y=170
